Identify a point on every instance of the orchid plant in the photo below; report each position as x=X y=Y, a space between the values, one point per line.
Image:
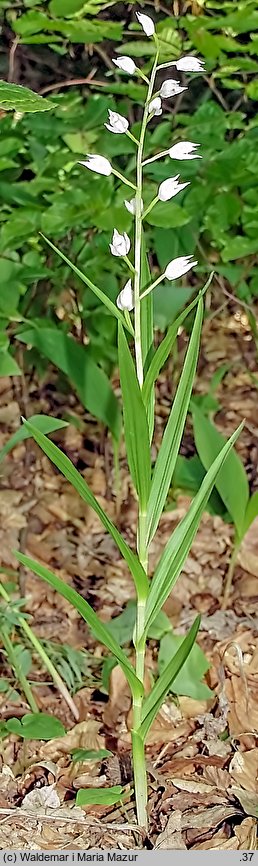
x=139 y=369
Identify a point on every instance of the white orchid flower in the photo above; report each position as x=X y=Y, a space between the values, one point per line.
x=155 y=106
x=125 y=63
x=170 y=187
x=146 y=22
x=97 y=163
x=171 y=88
x=131 y=205
x=189 y=64
x=120 y=245
x=125 y=299
x=184 y=150
x=178 y=267
x=117 y=123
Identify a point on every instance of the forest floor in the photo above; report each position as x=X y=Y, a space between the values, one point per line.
x=202 y=787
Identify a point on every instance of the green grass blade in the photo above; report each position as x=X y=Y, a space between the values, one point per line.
x=62 y=462
x=168 y=452
x=41 y=422
x=98 y=292
x=99 y=629
x=178 y=546
x=163 y=350
x=156 y=697
x=231 y=482
x=135 y=423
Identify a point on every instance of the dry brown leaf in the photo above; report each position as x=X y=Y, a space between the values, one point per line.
x=243 y=769
x=171 y=838
x=41 y=799
x=249 y=802
x=248 y=554
x=119 y=698
x=85 y=735
x=243 y=709
x=208 y=818
x=246 y=834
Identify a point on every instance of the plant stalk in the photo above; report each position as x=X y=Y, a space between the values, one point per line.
x=230 y=574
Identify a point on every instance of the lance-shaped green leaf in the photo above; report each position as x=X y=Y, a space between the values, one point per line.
x=147 y=332
x=156 y=697
x=98 y=292
x=41 y=422
x=14 y=97
x=164 y=348
x=99 y=796
x=251 y=511
x=231 y=482
x=99 y=629
x=178 y=546
x=62 y=462
x=168 y=452
x=135 y=422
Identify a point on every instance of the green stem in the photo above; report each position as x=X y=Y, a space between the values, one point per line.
x=149 y=208
x=23 y=624
x=230 y=573
x=140 y=777
x=138 y=231
x=123 y=178
x=153 y=286
x=14 y=662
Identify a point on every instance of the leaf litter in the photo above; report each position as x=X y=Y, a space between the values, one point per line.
x=202 y=755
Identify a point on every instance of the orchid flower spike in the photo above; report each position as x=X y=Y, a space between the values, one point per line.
x=125 y=63
x=155 y=106
x=189 y=64
x=146 y=23
x=120 y=245
x=170 y=187
x=117 y=123
x=97 y=163
x=131 y=205
x=178 y=267
x=184 y=150
x=171 y=88
x=125 y=299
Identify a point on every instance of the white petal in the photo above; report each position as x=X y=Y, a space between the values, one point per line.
x=155 y=106
x=131 y=205
x=170 y=187
x=190 y=64
x=120 y=245
x=178 y=267
x=146 y=23
x=125 y=63
x=117 y=123
x=184 y=150
x=97 y=163
x=171 y=88
x=125 y=299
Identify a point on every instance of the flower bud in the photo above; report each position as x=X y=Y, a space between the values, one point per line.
x=125 y=63
x=155 y=106
x=97 y=163
x=170 y=187
x=117 y=123
x=171 y=88
x=131 y=205
x=146 y=23
x=189 y=64
x=120 y=245
x=184 y=150
x=178 y=267
x=125 y=299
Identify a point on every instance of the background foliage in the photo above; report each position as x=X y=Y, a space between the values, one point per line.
x=43 y=189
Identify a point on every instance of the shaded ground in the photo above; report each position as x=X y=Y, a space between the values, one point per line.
x=202 y=787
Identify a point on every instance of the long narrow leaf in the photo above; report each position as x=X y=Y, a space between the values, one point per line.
x=156 y=697
x=163 y=350
x=147 y=333
x=231 y=482
x=99 y=629
x=62 y=462
x=135 y=422
x=41 y=422
x=177 y=548
x=98 y=292
x=168 y=452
